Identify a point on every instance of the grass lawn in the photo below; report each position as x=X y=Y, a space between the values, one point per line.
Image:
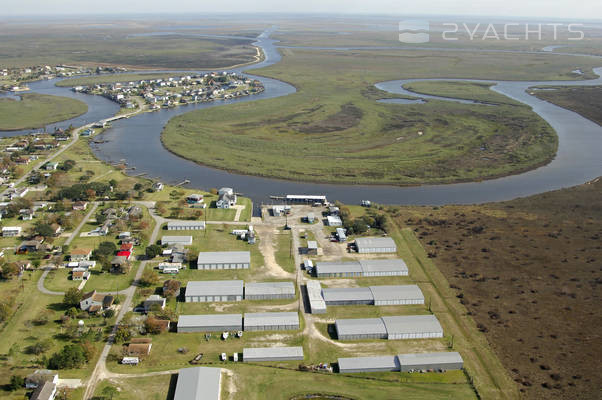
x=586 y=101
x=461 y=90
x=283 y=254
x=146 y=388
x=38 y=110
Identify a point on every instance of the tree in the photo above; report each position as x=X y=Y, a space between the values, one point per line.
x=71 y=356
x=171 y=288
x=72 y=297
x=40 y=347
x=105 y=249
x=153 y=325
x=16 y=382
x=122 y=334
x=109 y=392
x=44 y=229
x=153 y=251
x=149 y=278
x=10 y=270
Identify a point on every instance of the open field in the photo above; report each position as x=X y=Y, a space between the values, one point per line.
x=333 y=130
x=37 y=110
x=526 y=271
x=586 y=101
x=480 y=92
x=144 y=388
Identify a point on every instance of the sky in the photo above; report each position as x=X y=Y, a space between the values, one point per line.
x=561 y=9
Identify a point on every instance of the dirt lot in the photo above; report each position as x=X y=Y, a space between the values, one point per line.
x=529 y=271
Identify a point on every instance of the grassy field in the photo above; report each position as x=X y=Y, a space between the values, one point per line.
x=284 y=256
x=37 y=110
x=333 y=130
x=586 y=101
x=145 y=388
x=480 y=92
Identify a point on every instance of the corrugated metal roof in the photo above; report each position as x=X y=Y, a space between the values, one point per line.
x=396 y=264
x=396 y=292
x=375 y=242
x=191 y=321
x=276 y=352
x=347 y=294
x=430 y=358
x=199 y=383
x=314 y=294
x=215 y=288
x=377 y=362
x=412 y=324
x=176 y=239
x=271 y=318
x=360 y=326
x=224 y=257
x=172 y=224
x=267 y=288
x=337 y=267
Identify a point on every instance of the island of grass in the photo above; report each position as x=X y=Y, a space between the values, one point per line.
x=586 y=101
x=37 y=110
x=333 y=129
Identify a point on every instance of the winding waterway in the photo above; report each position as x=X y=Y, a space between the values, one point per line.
x=137 y=140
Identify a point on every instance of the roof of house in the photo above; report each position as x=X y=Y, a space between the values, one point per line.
x=141 y=340
x=267 y=352
x=222 y=257
x=81 y=252
x=396 y=292
x=347 y=294
x=271 y=318
x=215 y=288
x=199 y=383
x=377 y=362
x=430 y=358
x=139 y=348
x=209 y=320
x=124 y=253
x=375 y=242
x=119 y=260
x=360 y=326
x=269 y=288
x=44 y=391
x=411 y=324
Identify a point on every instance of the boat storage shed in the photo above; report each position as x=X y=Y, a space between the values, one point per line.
x=388 y=295
x=347 y=296
x=360 y=328
x=253 y=354
x=420 y=361
x=368 y=364
x=314 y=295
x=362 y=268
x=412 y=327
x=375 y=245
x=209 y=291
x=176 y=240
x=199 y=383
x=269 y=290
x=271 y=321
x=209 y=323
x=394 y=267
x=185 y=225
x=224 y=260
x=338 y=269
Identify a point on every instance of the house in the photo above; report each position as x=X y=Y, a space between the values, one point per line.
x=334 y=220
x=93 y=301
x=135 y=212
x=80 y=205
x=39 y=377
x=80 y=254
x=80 y=274
x=29 y=246
x=11 y=231
x=119 y=264
x=26 y=214
x=341 y=234
x=47 y=391
x=124 y=253
x=126 y=247
x=139 y=349
x=57 y=229
x=312 y=247
x=157 y=186
x=226 y=198
x=51 y=166
x=154 y=301
x=194 y=198
x=124 y=235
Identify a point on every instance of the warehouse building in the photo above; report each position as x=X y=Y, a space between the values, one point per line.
x=317 y=304
x=389 y=295
x=368 y=364
x=206 y=291
x=271 y=321
x=199 y=383
x=269 y=290
x=434 y=361
x=176 y=240
x=412 y=327
x=255 y=354
x=185 y=225
x=360 y=328
x=209 y=323
x=361 y=268
x=347 y=296
x=375 y=245
x=224 y=260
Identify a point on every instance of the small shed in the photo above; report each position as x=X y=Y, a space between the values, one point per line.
x=255 y=354
x=209 y=323
x=269 y=290
x=271 y=321
x=341 y=234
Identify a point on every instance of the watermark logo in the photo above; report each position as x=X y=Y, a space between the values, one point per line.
x=414 y=31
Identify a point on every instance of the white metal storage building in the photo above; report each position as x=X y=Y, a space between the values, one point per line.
x=176 y=240
x=361 y=268
x=271 y=321
x=412 y=327
x=442 y=360
x=368 y=364
x=360 y=328
x=338 y=269
x=269 y=290
x=393 y=267
x=347 y=296
x=209 y=323
x=375 y=245
x=254 y=354
x=388 y=295
x=199 y=383
x=224 y=260
x=206 y=291
x=185 y=225
x=314 y=295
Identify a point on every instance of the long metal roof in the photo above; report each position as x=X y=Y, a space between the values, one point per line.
x=395 y=264
x=446 y=357
x=171 y=224
x=375 y=242
x=314 y=294
x=199 y=383
x=224 y=257
x=360 y=326
x=412 y=324
x=268 y=288
x=337 y=267
x=271 y=318
x=377 y=362
x=347 y=294
x=276 y=352
x=176 y=239
x=214 y=288
x=191 y=321
x=396 y=292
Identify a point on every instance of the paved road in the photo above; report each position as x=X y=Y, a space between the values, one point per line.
x=81 y=224
x=41 y=287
